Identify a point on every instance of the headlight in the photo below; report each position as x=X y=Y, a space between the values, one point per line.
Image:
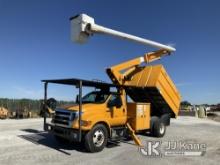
x=75 y=115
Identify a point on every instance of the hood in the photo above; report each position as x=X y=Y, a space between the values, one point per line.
x=85 y=107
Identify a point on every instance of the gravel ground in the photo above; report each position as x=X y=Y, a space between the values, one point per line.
x=23 y=142
x=214 y=116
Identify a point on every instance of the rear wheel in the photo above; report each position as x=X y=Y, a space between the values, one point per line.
x=158 y=128
x=96 y=138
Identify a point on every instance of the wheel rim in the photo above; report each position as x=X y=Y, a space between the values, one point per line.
x=162 y=129
x=98 y=138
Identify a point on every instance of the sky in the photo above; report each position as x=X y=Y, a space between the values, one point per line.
x=35 y=44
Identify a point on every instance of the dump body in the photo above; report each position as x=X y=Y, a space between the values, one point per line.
x=151 y=84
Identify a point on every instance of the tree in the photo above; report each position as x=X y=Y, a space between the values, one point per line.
x=185 y=103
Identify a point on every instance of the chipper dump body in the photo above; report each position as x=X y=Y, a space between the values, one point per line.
x=151 y=84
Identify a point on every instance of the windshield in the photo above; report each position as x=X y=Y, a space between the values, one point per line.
x=95 y=97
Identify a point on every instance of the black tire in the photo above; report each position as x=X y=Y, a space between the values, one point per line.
x=158 y=128
x=96 y=138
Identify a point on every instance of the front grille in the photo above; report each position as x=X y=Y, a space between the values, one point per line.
x=63 y=117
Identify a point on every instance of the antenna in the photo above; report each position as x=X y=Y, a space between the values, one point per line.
x=83 y=26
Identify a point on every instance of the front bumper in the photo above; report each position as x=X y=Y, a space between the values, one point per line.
x=66 y=133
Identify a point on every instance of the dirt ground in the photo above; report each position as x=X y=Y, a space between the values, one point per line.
x=23 y=142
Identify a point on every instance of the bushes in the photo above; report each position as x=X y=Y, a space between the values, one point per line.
x=25 y=105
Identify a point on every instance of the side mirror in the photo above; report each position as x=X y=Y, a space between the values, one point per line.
x=116 y=103
x=77 y=98
x=51 y=103
x=47 y=107
x=119 y=105
x=109 y=104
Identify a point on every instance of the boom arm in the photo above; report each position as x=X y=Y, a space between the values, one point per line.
x=119 y=73
x=84 y=26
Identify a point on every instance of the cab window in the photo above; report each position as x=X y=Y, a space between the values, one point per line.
x=95 y=97
x=115 y=100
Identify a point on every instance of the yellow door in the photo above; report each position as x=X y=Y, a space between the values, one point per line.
x=116 y=110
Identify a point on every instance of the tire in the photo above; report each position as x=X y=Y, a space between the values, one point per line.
x=96 y=138
x=158 y=128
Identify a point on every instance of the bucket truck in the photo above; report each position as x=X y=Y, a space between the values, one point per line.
x=105 y=114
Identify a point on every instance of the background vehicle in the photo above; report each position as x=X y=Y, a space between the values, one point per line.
x=105 y=114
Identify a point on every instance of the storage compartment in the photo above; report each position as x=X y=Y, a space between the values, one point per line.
x=139 y=115
x=153 y=85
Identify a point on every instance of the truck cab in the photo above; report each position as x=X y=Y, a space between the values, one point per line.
x=99 y=106
x=95 y=118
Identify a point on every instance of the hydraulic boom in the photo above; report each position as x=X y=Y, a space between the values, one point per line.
x=118 y=73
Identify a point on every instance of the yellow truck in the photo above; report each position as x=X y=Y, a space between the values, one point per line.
x=106 y=114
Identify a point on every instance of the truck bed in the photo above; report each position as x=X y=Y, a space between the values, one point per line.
x=153 y=85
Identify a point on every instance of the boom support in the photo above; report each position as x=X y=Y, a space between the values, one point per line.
x=118 y=73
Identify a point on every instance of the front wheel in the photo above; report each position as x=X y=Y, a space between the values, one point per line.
x=96 y=138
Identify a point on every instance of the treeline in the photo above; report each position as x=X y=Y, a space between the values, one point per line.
x=14 y=105
x=187 y=103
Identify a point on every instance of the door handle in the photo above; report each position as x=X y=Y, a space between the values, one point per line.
x=109 y=110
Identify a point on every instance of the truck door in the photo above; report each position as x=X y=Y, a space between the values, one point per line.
x=117 y=110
